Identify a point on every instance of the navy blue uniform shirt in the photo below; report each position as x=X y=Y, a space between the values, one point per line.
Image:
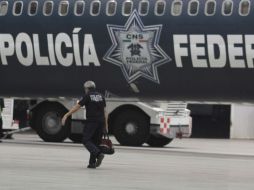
x=95 y=104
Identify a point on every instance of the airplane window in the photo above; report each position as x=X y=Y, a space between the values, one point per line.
x=193 y=7
x=227 y=7
x=95 y=8
x=127 y=8
x=33 y=7
x=48 y=8
x=244 y=8
x=79 y=8
x=3 y=8
x=63 y=8
x=111 y=8
x=143 y=7
x=210 y=7
x=17 y=8
x=160 y=8
x=176 y=8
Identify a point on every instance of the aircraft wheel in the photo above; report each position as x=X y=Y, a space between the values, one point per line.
x=131 y=128
x=48 y=124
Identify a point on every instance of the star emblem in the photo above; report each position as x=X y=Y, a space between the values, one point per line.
x=135 y=49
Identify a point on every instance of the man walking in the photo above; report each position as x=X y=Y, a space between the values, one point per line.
x=96 y=122
x=1 y=121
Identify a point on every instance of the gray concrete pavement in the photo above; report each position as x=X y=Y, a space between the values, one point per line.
x=27 y=163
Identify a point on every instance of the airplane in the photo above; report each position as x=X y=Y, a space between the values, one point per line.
x=164 y=49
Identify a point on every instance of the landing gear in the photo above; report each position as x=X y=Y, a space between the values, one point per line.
x=131 y=128
x=48 y=124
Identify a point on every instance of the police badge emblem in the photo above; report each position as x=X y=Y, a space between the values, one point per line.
x=136 y=50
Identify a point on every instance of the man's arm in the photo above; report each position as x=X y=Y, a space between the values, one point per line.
x=69 y=113
x=106 y=120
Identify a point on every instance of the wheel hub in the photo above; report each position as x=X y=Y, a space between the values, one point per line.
x=131 y=128
x=51 y=123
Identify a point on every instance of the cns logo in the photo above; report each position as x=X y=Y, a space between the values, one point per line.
x=135 y=49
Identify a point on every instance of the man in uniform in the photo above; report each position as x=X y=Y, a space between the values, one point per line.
x=1 y=121
x=96 y=122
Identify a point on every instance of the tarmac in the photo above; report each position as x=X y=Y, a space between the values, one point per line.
x=28 y=163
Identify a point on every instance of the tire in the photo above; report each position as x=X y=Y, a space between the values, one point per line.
x=48 y=123
x=76 y=138
x=158 y=141
x=131 y=128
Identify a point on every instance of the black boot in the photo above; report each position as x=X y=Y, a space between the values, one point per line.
x=91 y=166
x=100 y=157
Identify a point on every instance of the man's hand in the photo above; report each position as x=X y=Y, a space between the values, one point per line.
x=64 y=119
x=106 y=127
x=105 y=131
x=73 y=110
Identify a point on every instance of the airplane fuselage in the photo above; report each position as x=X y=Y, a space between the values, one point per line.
x=155 y=56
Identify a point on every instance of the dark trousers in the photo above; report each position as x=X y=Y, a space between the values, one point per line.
x=92 y=135
x=1 y=127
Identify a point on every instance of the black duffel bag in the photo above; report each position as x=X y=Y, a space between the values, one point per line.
x=106 y=145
